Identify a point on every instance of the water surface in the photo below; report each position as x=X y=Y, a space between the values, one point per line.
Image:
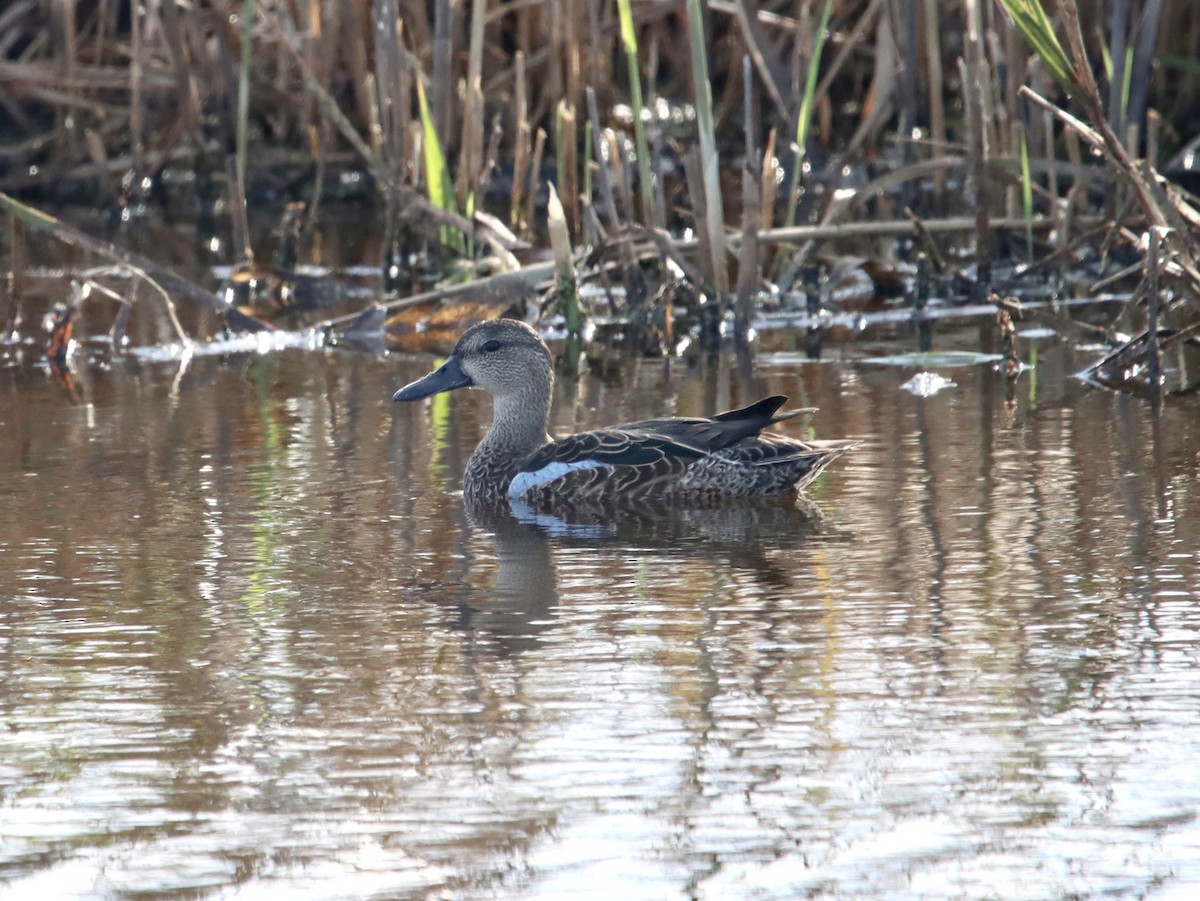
x=252 y=645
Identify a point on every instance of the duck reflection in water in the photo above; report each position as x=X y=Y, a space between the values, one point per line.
x=519 y=599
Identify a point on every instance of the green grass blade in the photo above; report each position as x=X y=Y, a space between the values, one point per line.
x=1126 y=83
x=804 y=117
x=714 y=211
x=437 y=174
x=1186 y=64
x=1031 y=20
x=1026 y=194
x=629 y=41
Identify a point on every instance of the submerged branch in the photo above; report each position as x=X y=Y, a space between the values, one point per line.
x=894 y=228
x=155 y=273
x=511 y=284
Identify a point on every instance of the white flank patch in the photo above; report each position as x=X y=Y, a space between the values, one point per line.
x=523 y=481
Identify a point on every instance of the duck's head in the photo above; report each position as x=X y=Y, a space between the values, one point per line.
x=505 y=357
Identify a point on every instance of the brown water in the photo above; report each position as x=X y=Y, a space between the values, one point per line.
x=253 y=647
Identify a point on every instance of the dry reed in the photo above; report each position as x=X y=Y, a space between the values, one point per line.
x=98 y=102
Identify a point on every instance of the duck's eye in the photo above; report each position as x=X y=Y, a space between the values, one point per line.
x=491 y=347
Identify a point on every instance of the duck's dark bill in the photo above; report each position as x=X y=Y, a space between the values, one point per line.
x=446 y=377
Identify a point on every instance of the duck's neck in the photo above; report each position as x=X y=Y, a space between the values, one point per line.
x=518 y=429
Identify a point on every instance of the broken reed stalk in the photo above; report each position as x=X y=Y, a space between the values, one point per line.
x=535 y=170
x=393 y=99
x=564 y=263
x=470 y=157
x=768 y=175
x=1052 y=173
x=14 y=283
x=237 y=199
x=603 y=182
x=1143 y=57
x=620 y=173
x=318 y=49
x=1111 y=370
x=490 y=155
x=521 y=148
x=394 y=105
x=567 y=19
x=933 y=257
x=63 y=16
x=375 y=117
x=1155 y=247
x=695 y=185
x=442 y=84
x=748 y=271
x=849 y=45
x=937 y=106
x=355 y=32
x=179 y=31
x=660 y=191
x=566 y=159
x=973 y=89
x=136 y=120
x=1010 y=54
x=908 y=77
x=589 y=222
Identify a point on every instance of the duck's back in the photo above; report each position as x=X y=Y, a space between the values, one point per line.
x=674 y=460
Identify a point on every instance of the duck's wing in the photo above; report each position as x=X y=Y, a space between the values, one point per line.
x=622 y=458
x=720 y=431
x=649 y=440
x=610 y=447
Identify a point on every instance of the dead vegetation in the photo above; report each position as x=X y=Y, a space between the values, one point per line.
x=718 y=164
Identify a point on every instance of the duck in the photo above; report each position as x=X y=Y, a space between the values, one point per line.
x=676 y=460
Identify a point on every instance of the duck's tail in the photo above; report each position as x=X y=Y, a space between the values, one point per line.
x=763 y=412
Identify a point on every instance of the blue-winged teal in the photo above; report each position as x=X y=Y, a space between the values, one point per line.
x=677 y=460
